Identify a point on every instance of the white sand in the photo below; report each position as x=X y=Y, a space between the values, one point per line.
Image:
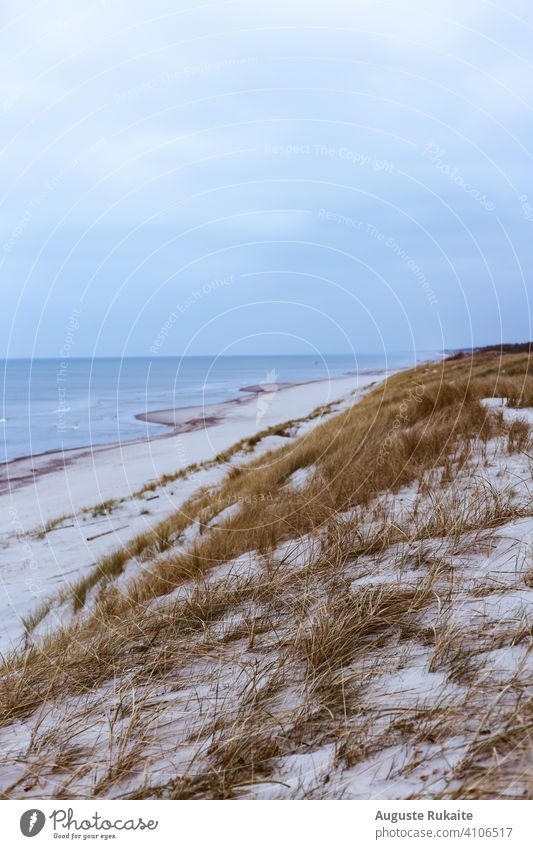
x=401 y=681
x=33 y=569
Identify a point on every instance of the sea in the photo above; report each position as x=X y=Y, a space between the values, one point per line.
x=50 y=404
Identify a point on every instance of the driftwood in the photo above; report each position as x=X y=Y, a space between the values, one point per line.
x=105 y=533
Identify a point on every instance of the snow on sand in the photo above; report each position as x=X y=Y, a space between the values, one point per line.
x=39 y=490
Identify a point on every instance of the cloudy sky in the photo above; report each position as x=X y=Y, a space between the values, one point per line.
x=248 y=177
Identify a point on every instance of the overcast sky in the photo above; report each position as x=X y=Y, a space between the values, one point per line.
x=250 y=177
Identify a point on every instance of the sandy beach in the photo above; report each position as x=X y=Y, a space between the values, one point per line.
x=67 y=492
x=328 y=595
x=266 y=416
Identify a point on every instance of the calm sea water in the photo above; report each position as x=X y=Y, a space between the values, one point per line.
x=48 y=405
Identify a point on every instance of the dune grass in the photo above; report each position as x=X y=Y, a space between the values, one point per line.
x=281 y=630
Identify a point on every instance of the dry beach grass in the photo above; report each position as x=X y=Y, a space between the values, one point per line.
x=347 y=616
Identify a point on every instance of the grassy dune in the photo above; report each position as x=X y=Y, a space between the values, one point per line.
x=322 y=624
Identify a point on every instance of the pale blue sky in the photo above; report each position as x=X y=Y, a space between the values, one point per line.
x=250 y=177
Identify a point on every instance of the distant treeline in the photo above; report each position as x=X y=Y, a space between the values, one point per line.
x=503 y=348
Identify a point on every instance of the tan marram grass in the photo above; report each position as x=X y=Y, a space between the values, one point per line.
x=290 y=623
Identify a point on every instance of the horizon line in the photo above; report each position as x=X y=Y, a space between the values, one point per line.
x=226 y=356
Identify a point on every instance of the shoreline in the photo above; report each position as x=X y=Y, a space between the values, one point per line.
x=64 y=511
x=167 y=586
x=196 y=418
x=171 y=415
x=40 y=487
x=189 y=418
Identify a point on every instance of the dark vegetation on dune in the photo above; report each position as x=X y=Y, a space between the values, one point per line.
x=265 y=629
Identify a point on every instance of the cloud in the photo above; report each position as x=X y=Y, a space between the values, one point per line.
x=142 y=138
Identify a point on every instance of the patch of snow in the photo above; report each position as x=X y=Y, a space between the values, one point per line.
x=510 y=414
x=300 y=478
